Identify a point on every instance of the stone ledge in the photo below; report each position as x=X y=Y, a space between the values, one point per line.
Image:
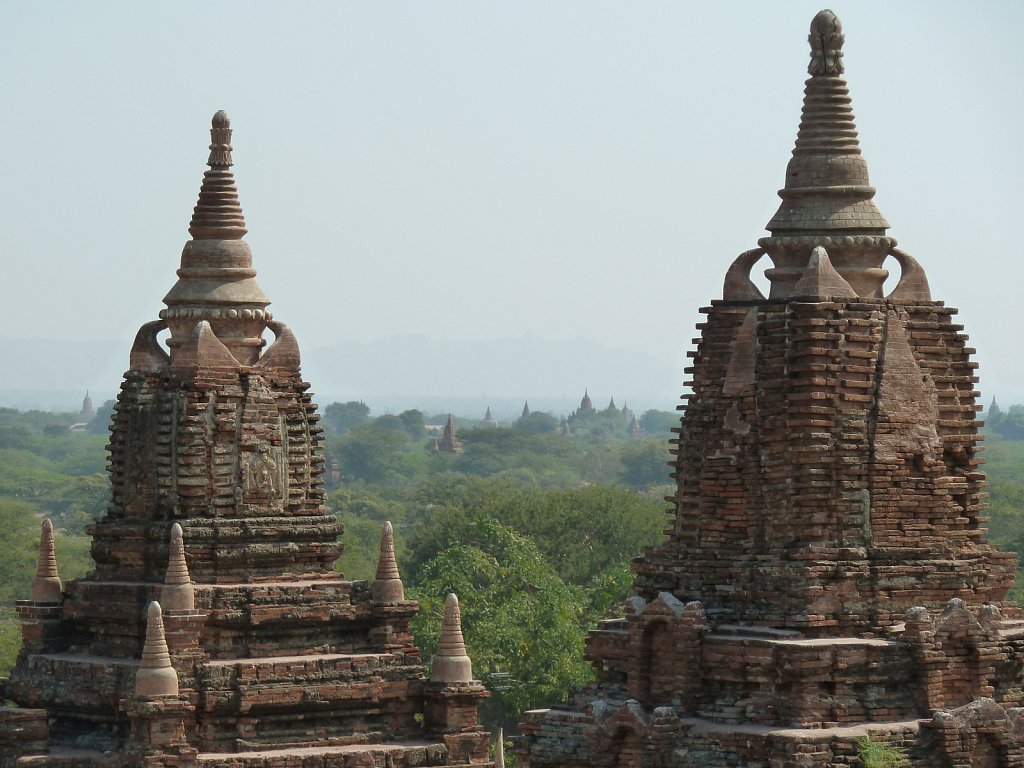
x=700 y=725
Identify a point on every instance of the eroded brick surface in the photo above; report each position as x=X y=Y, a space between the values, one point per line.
x=826 y=574
x=263 y=656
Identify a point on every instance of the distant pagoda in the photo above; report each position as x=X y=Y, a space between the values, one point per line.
x=993 y=410
x=586 y=405
x=489 y=420
x=449 y=442
x=826 y=577
x=213 y=630
x=88 y=410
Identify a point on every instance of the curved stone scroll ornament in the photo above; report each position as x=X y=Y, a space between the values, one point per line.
x=284 y=352
x=913 y=284
x=147 y=355
x=738 y=285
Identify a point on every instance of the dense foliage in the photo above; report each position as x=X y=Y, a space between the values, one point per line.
x=533 y=525
x=45 y=471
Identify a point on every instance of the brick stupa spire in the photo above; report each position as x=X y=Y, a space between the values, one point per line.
x=258 y=650
x=827 y=576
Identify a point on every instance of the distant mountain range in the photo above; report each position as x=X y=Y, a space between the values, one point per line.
x=389 y=375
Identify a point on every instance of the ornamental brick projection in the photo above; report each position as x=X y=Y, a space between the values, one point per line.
x=826 y=575
x=213 y=630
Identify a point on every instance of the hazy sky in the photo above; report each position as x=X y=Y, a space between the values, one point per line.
x=477 y=170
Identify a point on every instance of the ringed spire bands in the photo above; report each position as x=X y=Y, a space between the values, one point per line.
x=216 y=281
x=827 y=199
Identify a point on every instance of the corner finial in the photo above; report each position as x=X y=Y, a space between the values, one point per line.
x=177 y=594
x=387 y=585
x=826 y=41
x=499 y=749
x=451 y=663
x=821 y=281
x=46 y=586
x=155 y=677
x=220 y=141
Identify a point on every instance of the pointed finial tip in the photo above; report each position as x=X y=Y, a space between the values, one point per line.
x=451 y=601
x=154 y=611
x=220 y=151
x=47 y=525
x=387 y=528
x=176 y=532
x=826 y=41
x=825 y=22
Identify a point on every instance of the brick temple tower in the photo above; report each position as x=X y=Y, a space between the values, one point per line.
x=826 y=575
x=213 y=630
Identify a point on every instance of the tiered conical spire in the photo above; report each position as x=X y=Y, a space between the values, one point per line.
x=155 y=677
x=217 y=280
x=177 y=594
x=827 y=199
x=46 y=586
x=451 y=663
x=387 y=585
x=586 y=404
x=218 y=214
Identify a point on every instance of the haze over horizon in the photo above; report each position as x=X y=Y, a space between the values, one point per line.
x=468 y=172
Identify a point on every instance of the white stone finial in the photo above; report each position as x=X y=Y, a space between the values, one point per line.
x=155 y=676
x=47 y=586
x=451 y=663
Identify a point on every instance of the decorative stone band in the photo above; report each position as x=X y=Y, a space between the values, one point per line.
x=857 y=258
x=210 y=314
